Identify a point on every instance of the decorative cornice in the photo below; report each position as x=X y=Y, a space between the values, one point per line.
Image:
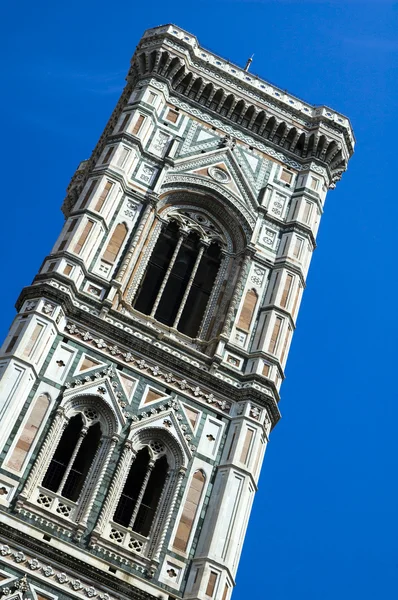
x=254 y=390
x=33 y=559
x=223 y=70
x=247 y=89
x=152 y=369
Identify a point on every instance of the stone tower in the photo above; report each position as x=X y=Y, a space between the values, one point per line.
x=140 y=378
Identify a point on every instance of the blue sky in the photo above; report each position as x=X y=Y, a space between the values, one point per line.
x=324 y=524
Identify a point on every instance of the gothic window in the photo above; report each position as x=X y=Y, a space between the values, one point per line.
x=140 y=497
x=138 y=125
x=67 y=235
x=247 y=444
x=71 y=463
x=108 y=155
x=72 y=459
x=180 y=276
x=286 y=290
x=124 y=122
x=172 y=116
x=13 y=341
x=188 y=515
x=285 y=343
x=31 y=344
x=211 y=584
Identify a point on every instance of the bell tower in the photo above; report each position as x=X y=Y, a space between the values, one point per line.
x=140 y=378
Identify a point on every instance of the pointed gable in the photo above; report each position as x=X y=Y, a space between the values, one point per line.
x=219 y=170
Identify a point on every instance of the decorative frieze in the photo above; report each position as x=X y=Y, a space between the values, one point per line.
x=148 y=367
x=60 y=579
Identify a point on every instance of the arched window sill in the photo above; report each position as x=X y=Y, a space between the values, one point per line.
x=171 y=332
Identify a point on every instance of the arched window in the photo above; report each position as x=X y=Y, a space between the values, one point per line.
x=115 y=243
x=28 y=434
x=189 y=512
x=140 y=497
x=180 y=276
x=72 y=459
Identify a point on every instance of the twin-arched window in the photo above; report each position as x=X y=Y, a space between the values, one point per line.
x=78 y=456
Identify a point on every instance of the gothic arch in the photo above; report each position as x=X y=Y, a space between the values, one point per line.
x=86 y=403
x=210 y=196
x=237 y=236
x=153 y=438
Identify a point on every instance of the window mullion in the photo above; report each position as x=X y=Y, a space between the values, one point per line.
x=82 y=435
x=189 y=285
x=167 y=274
x=141 y=494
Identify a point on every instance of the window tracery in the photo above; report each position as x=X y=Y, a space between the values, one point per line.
x=225 y=233
x=141 y=499
x=73 y=458
x=181 y=271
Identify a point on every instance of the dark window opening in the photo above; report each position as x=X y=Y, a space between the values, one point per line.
x=82 y=463
x=180 y=299
x=178 y=280
x=135 y=479
x=156 y=270
x=199 y=294
x=146 y=490
x=63 y=454
x=150 y=500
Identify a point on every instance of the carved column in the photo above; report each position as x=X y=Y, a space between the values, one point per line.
x=162 y=537
x=46 y=452
x=167 y=274
x=141 y=493
x=97 y=476
x=214 y=296
x=161 y=512
x=116 y=487
x=82 y=435
x=240 y=286
x=189 y=285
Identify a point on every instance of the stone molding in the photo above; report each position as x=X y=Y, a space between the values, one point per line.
x=74 y=577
